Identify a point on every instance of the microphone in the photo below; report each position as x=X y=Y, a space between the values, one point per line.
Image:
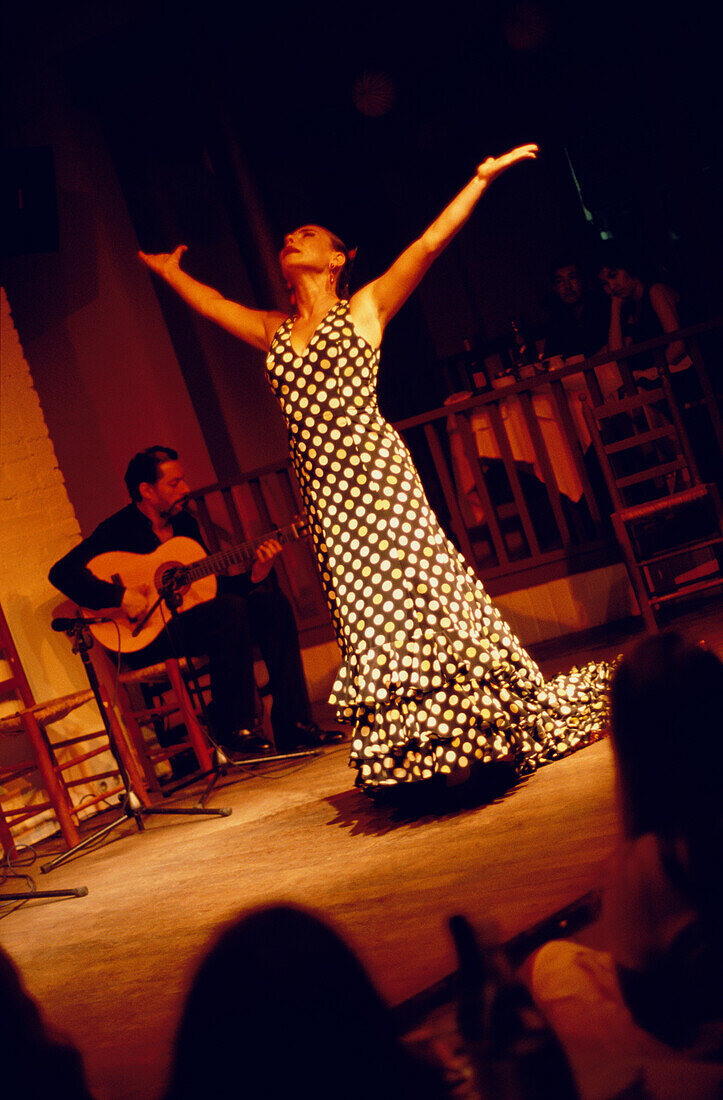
x=70 y=624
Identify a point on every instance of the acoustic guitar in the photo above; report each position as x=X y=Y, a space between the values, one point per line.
x=179 y=567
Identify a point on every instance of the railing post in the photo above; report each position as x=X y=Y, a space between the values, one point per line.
x=490 y=515
x=505 y=450
x=543 y=458
x=449 y=494
x=563 y=411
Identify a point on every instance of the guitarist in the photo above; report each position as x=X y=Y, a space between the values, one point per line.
x=246 y=609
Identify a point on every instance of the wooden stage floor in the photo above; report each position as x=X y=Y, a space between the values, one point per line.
x=110 y=969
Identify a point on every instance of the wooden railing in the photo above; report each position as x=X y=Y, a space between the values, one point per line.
x=509 y=472
x=504 y=458
x=263 y=500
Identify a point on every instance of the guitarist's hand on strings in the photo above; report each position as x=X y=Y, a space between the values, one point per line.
x=265 y=555
x=135 y=602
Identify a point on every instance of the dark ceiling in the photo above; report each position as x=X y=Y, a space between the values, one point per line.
x=368 y=116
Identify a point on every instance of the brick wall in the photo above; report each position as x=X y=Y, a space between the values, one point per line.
x=38 y=526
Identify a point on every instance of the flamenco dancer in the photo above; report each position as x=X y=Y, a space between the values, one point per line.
x=433 y=680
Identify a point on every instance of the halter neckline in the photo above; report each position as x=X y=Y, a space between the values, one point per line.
x=315 y=333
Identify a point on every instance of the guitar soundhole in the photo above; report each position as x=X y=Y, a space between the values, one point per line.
x=167 y=575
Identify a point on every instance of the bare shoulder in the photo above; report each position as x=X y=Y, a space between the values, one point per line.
x=661 y=292
x=363 y=312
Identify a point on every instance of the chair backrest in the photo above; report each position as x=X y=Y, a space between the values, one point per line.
x=13 y=681
x=642 y=445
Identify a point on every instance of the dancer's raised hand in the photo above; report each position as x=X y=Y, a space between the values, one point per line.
x=381 y=299
x=162 y=263
x=492 y=167
x=255 y=326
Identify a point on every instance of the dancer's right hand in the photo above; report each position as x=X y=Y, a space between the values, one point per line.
x=163 y=263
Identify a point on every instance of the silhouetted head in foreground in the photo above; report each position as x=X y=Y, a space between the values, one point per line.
x=666 y=704
x=666 y=700
x=666 y=716
x=48 y=1065
x=282 y=1006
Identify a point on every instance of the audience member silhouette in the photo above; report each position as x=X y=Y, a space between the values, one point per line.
x=45 y=1064
x=650 y=1008
x=284 y=1008
x=664 y=904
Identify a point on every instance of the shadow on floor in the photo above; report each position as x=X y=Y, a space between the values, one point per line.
x=416 y=803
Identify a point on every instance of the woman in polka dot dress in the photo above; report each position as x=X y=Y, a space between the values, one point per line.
x=433 y=680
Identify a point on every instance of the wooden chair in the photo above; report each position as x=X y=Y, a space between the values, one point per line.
x=145 y=701
x=32 y=720
x=663 y=510
x=131 y=714
x=148 y=699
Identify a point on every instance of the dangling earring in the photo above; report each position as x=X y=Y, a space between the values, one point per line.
x=332 y=275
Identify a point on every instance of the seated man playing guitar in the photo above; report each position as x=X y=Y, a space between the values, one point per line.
x=120 y=568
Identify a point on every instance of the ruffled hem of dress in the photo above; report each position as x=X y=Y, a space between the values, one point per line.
x=462 y=719
x=421 y=661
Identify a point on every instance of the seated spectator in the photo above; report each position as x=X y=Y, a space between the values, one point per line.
x=640 y=310
x=649 y=1010
x=578 y=323
x=282 y=1006
x=47 y=1065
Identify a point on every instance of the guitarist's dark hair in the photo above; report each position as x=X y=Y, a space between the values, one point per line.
x=145 y=468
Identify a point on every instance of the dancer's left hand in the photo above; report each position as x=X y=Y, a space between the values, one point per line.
x=492 y=167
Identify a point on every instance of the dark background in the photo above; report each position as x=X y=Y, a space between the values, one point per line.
x=202 y=107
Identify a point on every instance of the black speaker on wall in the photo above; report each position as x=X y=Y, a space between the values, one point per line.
x=28 y=202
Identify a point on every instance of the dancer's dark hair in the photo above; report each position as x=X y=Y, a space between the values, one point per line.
x=342 y=286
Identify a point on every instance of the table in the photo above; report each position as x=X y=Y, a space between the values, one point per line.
x=554 y=435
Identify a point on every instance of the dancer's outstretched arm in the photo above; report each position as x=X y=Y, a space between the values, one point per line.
x=254 y=326
x=382 y=298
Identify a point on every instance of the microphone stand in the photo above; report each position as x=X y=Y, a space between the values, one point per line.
x=30 y=895
x=132 y=809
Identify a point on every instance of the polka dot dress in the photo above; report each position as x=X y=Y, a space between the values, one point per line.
x=432 y=679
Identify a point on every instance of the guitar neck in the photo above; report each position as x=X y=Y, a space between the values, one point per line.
x=243 y=555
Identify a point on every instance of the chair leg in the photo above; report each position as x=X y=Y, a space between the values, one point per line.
x=6 y=837
x=136 y=736
x=53 y=784
x=636 y=578
x=196 y=734
x=124 y=746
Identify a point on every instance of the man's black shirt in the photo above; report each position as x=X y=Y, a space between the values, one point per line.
x=127 y=530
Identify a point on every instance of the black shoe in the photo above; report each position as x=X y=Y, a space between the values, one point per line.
x=246 y=743
x=307 y=735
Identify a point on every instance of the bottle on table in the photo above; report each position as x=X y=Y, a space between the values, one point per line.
x=522 y=350
x=475 y=369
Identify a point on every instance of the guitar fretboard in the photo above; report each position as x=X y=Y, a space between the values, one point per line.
x=244 y=555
